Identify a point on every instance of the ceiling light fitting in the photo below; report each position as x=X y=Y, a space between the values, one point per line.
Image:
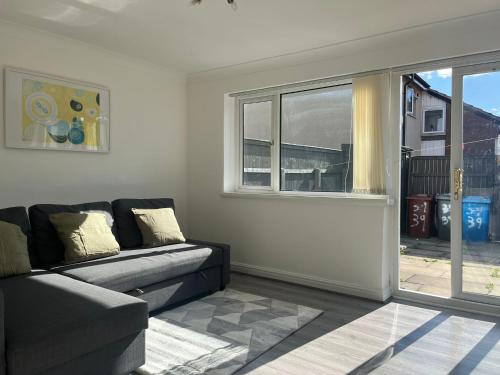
x=230 y=2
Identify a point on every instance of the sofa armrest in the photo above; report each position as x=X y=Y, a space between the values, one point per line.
x=226 y=253
x=3 y=364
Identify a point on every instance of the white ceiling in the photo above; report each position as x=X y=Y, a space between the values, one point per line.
x=212 y=35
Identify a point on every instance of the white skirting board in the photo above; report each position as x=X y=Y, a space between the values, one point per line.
x=312 y=281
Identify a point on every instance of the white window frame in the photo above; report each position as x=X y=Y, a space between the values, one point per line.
x=434 y=108
x=413 y=99
x=239 y=143
x=274 y=94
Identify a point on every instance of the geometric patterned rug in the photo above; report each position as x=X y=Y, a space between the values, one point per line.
x=220 y=333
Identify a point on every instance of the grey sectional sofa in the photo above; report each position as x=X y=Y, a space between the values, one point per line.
x=90 y=317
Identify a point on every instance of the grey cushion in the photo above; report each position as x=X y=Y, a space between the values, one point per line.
x=51 y=319
x=141 y=267
x=49 y=249
x=180 y=289
x=19 y=216
x=129 y=234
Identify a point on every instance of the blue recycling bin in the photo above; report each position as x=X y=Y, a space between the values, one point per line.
x=475 y=218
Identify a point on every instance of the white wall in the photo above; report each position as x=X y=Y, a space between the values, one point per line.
x=148 y=128
x=332 y=243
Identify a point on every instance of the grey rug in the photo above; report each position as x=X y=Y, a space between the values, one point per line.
x=220 y=333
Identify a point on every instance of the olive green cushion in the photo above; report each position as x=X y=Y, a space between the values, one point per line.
x=14 y=258
x=158 y=226
x=84 y=235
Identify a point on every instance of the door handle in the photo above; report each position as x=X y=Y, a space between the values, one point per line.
x=457 y=182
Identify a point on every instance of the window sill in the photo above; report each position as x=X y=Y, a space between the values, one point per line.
x=344 y=198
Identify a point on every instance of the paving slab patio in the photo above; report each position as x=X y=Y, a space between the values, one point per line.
x=425 y=266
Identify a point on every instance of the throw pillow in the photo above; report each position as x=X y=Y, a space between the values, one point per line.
x=84 y=236
x=158 y=226
x=14 y=258
x=109 y=217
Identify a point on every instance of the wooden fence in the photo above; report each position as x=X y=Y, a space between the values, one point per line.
x=303 y=168
x=431 y=175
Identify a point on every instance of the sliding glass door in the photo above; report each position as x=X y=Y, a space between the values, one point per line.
x=475 y=181
x=425 y=252
x=450 y=182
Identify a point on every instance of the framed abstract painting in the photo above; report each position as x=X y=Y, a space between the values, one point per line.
x=53 y=113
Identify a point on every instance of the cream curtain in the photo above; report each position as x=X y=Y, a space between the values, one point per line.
x=368 y=154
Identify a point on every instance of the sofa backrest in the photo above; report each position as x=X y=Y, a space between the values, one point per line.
x=19 y=216
x=129 y=235
x=46 y=244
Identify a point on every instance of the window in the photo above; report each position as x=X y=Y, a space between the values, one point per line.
x=315 y=137
x=257 y=123
x=434 y=121
x=410 y=101
x=313 y=144
x=316 y=140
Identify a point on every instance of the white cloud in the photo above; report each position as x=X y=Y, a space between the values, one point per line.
x=444 y=73
x=475 y=75
x=441 y=73
x=495 y=111
x=426 y=75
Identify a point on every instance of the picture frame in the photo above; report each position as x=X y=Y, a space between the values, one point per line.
x=47 y=112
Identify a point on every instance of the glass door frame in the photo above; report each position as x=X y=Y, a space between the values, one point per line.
x=456 y=163
x=457 y=300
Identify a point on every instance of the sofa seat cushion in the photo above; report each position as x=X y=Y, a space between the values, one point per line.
x=137 y=268
x=51 y=319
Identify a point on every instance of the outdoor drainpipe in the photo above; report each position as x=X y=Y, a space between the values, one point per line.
x=412 y=78
x=404 y=213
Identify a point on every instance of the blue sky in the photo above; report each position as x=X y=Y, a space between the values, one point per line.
x=480 y=90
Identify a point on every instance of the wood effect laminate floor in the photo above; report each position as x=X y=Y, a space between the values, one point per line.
x=358 y=336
